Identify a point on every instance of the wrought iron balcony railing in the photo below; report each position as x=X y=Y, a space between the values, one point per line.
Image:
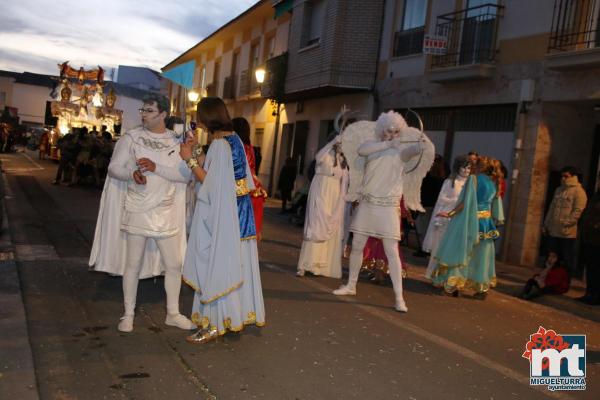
x=248 y=84
x=229 y=89
x=471 y=36
x=575 y=25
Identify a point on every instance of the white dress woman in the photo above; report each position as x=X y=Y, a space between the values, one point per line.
x=221 y=262
x=446 y=201
x=321 y=252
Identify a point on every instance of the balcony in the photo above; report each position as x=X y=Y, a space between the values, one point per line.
x=472 y=41
x=575 y=35
x=229 y=89
x=248 y=85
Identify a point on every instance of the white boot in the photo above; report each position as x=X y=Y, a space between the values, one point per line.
x=126 y=323
x=401 y=306
x=179 y=321
x=345 y=290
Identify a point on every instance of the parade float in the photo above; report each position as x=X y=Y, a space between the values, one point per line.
x=83 y=102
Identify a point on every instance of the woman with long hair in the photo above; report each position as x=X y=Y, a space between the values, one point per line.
x=258 y=195
x=466 y=257
x=221 y=263
x=446 y=201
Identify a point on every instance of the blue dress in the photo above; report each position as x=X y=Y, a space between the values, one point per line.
x=466 y=255
x=221 y=263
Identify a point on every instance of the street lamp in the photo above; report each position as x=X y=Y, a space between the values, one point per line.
x=193 y=96
x=260 y=73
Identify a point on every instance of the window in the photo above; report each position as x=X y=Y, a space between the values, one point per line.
x=409 y=37
x=217 y=72
x=254 y=57
x=313 y=21
x=269 y=47
x=2 y=100
x=203 y=77
x=259 y=133
x=414 y=14
x=253 y=64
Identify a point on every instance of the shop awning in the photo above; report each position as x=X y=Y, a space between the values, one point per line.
x=282 y=7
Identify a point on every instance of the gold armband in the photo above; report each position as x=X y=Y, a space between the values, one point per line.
x=451 y=214
x=192 y=163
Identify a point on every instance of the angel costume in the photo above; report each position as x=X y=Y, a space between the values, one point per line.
x=386 y=178
x=466 y=255
x=221 y=263
x=140 y=232
x=321 y=251
x=446 y=201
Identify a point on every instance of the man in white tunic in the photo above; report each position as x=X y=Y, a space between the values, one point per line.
x=140 y=231
x=377 y=214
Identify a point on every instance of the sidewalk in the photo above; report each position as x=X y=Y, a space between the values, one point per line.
x=17 y=371
x=511 y=278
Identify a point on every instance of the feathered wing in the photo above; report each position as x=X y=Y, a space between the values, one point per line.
x=416 y=169
x=352 y=137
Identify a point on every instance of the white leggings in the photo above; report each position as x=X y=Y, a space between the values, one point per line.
x=390 y=247
x=171 y=257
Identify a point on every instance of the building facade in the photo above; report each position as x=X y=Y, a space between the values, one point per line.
x=518 y=81
x=225 y=65
x=321 y=54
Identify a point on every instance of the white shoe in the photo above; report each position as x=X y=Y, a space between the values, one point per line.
x=300 y=272
x=401 y=306
x=126 y=323
x=180 y=322
x=345 y=290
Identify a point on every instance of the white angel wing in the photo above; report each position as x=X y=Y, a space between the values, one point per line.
x=352 y=137
x=416 y=169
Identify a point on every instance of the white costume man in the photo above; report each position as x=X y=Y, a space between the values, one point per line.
x=377 y=214
x=140 y=231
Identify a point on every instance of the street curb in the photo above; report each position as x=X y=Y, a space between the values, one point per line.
x=17 y=374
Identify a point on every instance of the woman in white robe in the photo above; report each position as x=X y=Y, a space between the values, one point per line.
x=447 y=199
x=221 y=262
x=321 y=252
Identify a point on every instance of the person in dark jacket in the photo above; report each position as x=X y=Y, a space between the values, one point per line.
x=554 y=279
x=287 y=176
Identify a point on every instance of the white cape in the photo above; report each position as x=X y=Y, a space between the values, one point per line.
x=109 y=249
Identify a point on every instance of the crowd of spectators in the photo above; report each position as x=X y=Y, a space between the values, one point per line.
x=83 y=157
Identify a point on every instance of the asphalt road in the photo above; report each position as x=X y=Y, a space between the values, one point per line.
x=315 y=345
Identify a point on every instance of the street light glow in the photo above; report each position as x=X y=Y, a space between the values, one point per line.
x=260 y=75
x=193 y=96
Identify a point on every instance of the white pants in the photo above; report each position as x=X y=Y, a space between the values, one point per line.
x=171 y=258
x=390 y=247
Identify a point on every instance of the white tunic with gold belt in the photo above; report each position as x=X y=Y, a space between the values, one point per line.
x=378 y=213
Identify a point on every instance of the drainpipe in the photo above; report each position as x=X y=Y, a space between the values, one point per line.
x=374 y=90
x=517 y=157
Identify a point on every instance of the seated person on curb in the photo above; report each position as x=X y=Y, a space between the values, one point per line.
x=554 y=279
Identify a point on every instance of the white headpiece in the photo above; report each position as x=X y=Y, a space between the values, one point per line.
x=390 y=120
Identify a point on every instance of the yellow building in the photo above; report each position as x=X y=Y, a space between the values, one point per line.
x=225 y=66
